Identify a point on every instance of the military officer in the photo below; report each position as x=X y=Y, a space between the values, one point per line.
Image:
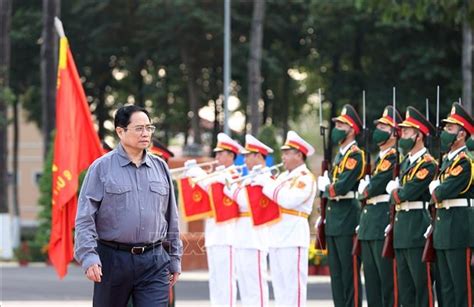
x=411 y=197
x=294 y=190
x=452 y=194
x=219 y=237
x=250 y=242
x=375 y=215
x=343 y=210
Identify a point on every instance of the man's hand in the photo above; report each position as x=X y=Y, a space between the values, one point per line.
x=392 y=185
x=323 y=181
x=174 y=278
x=94 y=273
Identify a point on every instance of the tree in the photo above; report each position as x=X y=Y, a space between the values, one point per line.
x=5 y=98
x=49 y=63
x=254 y=61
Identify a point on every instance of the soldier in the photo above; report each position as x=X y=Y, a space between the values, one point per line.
x=452 y=194
x=375 y=217
x=294 y=190
x=250 y=242
x=411 y=199
x=219 y=237
x=343 y=210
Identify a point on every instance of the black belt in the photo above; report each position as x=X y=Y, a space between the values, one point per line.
x=135 y=249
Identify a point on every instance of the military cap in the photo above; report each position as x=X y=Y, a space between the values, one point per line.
x=414 y=119
x=349 y=116
x=161 y=150
x=461 y=117
x=387 y=117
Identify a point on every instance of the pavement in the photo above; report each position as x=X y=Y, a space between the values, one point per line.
x=38 y=285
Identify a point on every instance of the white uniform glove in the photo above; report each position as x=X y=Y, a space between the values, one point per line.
x=433 y=185
x=363 y=184
x=386 y=230
x=428 y=231
x=323 y=181
x=392 y=185
x=260 y=180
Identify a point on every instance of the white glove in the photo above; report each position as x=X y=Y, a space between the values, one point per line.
x=427 y=232
x=323 y=181
x=387 y=229
x=223 y=178
x=392 y=185
x=357 y=229
x=363 y=184
x=433 y=185
x=260 y=180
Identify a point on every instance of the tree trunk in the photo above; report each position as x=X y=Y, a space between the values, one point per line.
x=49 y=60
x=5 y=23
x=255 y=59
x=6 y=244
x=285 y=110
x=467 y=65
x=101 y=111
x=192 y=96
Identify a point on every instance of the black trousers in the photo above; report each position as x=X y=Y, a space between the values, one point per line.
x=143 y=277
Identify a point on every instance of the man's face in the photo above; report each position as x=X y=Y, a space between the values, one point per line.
x=452 y=128
x=137 y=135
x=225 y=158
x=291 y=158
x=252 y=159
x=384 y=127
x=343 y=126
x=408 y=132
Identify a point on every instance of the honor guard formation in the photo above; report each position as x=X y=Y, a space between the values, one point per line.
x=404 y=221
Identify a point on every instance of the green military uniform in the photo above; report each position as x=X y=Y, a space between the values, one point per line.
x=342 y=217
x=452 y=198
x=412 y=219
x=375 y=216
x=470 y=148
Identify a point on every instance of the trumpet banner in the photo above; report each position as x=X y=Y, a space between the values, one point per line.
x=262 y=209
x=225 y=208
x=194 y=200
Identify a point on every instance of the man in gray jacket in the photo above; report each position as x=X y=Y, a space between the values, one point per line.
x=126 y=211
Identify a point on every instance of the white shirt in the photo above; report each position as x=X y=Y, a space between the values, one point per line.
x=415 y=156
x=453 y=154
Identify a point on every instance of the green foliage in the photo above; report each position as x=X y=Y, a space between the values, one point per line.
x=146 y=51
x=41 y=239
x=267 y=135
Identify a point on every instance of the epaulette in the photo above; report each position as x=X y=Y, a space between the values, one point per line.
x=428 y=158
x=355 y=148
x=391 y=151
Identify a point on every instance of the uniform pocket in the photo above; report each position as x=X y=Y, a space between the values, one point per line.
x=118 y=196
x=160 y=194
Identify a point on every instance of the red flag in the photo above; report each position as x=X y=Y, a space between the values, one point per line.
x=194 y=200
x=76 y=146
x=262 y=208
x=224 y=208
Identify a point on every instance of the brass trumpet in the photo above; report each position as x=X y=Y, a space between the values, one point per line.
x=257 y=170
x=192 y=163
x=219 y=171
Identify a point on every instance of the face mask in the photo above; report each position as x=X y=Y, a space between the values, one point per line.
x=470 y=144
x=406 y=144
x=380 y=136
x=447 y=139
x=338 y=135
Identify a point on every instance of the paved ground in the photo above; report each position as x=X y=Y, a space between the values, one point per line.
x=38 y=285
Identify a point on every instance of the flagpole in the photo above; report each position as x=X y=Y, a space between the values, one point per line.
x=226 y=64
